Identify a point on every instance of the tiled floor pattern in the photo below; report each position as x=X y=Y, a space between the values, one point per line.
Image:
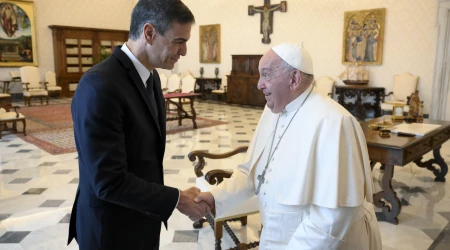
x=37 y=191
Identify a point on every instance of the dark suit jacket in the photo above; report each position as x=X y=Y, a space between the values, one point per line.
x=121 y=198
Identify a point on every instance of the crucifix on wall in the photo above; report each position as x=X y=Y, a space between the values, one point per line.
x=266 y=12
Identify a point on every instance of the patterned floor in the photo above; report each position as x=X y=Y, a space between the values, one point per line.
x=37 y=191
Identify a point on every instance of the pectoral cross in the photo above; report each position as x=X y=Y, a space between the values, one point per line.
x=266 y=11
x=261 y=180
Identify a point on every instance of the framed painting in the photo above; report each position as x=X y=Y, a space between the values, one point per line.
x=17 y=34
x=363 y=37
x=210 y=43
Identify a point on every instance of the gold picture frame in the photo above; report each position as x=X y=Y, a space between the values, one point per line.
x=398 y=111
x=210 y=43
x=363 y=37
x=17 y=34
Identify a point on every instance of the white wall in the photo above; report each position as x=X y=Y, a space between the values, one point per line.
x=409 y=40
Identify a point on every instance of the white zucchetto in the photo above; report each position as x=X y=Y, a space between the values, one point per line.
x=295 y=55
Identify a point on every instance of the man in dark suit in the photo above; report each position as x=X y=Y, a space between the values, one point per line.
x=120 y=133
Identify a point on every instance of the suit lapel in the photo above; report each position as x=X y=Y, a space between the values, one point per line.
x=137 y=81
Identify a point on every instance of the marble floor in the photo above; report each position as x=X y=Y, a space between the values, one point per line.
x=37 y=191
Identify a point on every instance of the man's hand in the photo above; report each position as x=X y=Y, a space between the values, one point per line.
x=187 y=206
x=206 y=197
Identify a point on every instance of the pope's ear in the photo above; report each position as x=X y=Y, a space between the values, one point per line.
x=295 y=79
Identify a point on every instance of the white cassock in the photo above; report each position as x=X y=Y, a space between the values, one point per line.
x=317 y=192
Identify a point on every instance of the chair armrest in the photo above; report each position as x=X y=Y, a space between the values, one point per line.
x=202 y=154
x=26 y=85
x=15 y=110
x=8 y=108
x=384 y=95
x=45 y=84
x=217 y=175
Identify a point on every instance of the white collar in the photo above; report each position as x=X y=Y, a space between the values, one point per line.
x=141 y=69
x=297 y=102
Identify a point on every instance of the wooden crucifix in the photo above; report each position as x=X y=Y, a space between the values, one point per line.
x=266 y=12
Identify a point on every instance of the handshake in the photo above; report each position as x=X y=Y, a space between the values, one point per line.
x=195 y=204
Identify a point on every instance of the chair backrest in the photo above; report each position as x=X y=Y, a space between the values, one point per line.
x=50 y=77
x=404 y=85
x=173 y=83
x=15 y=75
x=30 y=74
x=185 y=73
x=325 y=85
x=188 y=84
x=163 y=79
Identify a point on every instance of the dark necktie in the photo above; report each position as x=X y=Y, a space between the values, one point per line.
x=151 y=94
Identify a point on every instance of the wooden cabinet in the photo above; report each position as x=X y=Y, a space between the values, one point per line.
x=77 y=49
x=243 y=81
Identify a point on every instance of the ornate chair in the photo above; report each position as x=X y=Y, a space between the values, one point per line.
x=325 y=86
x=214 y=177
x=5 y=97
x=187 y=86
x=223 y=88
x=163 y=79
x=173 y=86
x=31 y=84
x=50 y=86
x=6 y=115
x=403 y=86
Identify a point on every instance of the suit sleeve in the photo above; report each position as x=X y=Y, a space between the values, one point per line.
x=98 y=117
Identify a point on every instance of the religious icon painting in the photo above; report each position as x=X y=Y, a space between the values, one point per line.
x=363 y=37
x=210 y=43
x=17 y=34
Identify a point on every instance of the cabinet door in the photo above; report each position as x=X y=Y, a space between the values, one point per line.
x=255 y=96
x=106 y=41
x=237 y=90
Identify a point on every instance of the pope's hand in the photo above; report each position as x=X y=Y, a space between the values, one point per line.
x=206 y=197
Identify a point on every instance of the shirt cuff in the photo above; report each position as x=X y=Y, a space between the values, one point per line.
x=179 y=193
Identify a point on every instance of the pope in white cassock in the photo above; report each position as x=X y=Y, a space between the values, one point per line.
x=307 y=163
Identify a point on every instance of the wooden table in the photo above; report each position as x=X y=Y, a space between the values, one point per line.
x=182 y=113
x=399 y=151
x=359 y=108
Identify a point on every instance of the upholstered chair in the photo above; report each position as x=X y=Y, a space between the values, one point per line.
x=403 y=86
x=9 y=116
x=173 y=86
x=50 y=86
x=32 y=87
x=163 y=79
x=188 y=84
x=325 y=86
x=223 y=87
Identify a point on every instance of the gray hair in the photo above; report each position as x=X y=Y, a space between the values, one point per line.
x=285 y=68
x=160 y=13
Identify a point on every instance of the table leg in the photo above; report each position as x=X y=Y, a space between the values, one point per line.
x=389 y=195
x=179 y=109
x=440 y=174
x=194 y=115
